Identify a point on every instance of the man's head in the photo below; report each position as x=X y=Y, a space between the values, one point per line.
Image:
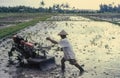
x=63 y=34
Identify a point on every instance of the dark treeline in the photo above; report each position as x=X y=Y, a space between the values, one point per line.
x=18 y=9
x=59 y=8
x=109 y=8
x=29 y=9
x=54 y=9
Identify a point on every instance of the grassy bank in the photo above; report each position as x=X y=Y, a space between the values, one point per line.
x=12 y=29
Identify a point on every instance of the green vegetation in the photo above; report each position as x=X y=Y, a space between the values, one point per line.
x=3 y=15
x=12 y=29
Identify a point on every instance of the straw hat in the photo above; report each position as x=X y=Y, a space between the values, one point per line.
x=63 y=33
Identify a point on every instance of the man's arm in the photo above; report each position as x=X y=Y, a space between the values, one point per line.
x=53 y=41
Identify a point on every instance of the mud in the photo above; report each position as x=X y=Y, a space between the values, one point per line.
x=96 y=45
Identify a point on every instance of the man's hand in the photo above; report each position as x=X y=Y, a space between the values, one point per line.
x=53 y=41
x=48 y=38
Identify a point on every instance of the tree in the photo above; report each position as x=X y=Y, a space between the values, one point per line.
x=42 y=3
x=109 y=8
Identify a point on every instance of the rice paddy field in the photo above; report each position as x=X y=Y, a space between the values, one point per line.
x=95 y=44
x=13 y=22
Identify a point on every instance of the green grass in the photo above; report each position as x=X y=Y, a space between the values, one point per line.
x=2 y=15
x=12 y=29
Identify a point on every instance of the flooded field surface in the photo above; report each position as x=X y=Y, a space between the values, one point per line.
x=96 y=45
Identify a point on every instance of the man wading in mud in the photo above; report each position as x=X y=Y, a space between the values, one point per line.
x=68 y=52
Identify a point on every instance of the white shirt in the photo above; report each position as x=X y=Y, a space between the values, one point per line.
x=67 y=49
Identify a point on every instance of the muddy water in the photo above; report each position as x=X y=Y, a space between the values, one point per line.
x=96 y=45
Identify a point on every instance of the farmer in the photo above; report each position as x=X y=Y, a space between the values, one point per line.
x=68 y=52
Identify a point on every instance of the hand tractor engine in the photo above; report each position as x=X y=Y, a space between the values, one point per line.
x=34 y=56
